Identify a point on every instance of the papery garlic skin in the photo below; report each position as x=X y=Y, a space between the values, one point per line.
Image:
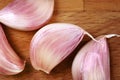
x=27 y=15
x=92 y=61
x=10 y=63
x=53 y=43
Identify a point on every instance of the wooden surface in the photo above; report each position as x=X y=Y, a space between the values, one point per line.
x=95 y=16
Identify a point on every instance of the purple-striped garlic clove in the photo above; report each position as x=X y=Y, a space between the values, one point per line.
x=10 y=63
x=92 y=61
x=53 y=43
x=27 y=15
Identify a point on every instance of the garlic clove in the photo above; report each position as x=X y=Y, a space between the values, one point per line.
x=10 y=63
x=53 y=43
x=27 y=15
x=92 y=61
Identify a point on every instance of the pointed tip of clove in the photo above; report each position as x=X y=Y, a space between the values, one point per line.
x=112 y=35
x=44 y=70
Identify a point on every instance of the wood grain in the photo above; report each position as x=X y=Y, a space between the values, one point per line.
x=69 y=5
x=96 y=22
x=102 y=5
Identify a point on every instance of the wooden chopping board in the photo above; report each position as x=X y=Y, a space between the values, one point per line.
x=95 y=16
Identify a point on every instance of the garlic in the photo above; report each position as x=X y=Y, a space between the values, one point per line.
x=27 y=15
x=10 y=63
x=53 y=43
x=92 y=61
